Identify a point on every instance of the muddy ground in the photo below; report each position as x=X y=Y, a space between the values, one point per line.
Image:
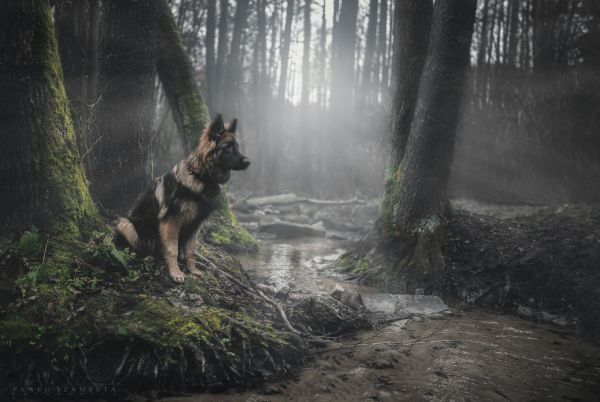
x=470 y=354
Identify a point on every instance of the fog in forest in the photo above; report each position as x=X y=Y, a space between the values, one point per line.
x=273 y=200
x=311 y=83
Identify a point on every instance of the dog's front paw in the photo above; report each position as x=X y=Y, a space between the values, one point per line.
x=176 y=274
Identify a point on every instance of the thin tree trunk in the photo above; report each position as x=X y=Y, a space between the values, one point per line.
x=430 y=148
x=306 y=54
x=412 y=22
x=285 y=50
x=209 y=42
x=321 y=90
x=125 y=113
x=368 y=63
x=221 y=54
x=234 y=61
x=380 y=60
x=41 y=178
x=304 y=183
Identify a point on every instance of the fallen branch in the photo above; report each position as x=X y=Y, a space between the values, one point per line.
x=291 y=198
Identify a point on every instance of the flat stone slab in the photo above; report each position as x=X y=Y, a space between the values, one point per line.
x=395 y=304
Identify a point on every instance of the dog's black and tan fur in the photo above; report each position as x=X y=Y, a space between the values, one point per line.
x=167 y=217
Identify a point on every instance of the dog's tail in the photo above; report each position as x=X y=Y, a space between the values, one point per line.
x=126 y=234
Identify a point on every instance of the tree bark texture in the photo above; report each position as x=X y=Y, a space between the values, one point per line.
x=412 y=24
x=124 y=118
x=41 y=178
x=430 y=147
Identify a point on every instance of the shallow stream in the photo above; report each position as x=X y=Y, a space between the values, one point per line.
x=469 y=354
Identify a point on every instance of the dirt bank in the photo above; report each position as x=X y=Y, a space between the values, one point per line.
x=469 y=355
x=543 y=265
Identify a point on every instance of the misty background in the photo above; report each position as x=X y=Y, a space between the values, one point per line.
x=310 y=82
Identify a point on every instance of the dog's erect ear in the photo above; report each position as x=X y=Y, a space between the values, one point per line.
x=216 y=127
x=232 y=126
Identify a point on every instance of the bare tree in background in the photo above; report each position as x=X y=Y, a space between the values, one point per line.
x=233 y=69
x=209 y=43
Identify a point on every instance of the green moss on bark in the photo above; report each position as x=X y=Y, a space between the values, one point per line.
x=43 y=148
x=70 y=207
x=385 y=226
x=176 y=74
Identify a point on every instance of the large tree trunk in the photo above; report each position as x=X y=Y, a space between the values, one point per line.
x=41 y=179
x=176 y=74
x=125 y=112
x=71 y=32
x=412 y=255
x=428 y=157
x=412 y=22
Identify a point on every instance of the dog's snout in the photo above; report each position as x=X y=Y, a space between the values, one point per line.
x=245 y=163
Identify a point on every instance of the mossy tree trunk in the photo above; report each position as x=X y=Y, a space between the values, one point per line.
x=41 y=178
x=410 y=255
x=71 y=34
x=176 y=73
x=411 y=26
x=425 y=168
x=128 y=48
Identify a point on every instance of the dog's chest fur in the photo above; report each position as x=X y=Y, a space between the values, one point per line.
x=184 y=197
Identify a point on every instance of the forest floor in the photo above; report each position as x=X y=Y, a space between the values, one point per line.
x=537 y=262
x=467 y=354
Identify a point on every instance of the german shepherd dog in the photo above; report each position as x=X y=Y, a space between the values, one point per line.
x=167 y=217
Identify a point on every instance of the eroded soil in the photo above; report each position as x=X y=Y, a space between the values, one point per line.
x=468 y=354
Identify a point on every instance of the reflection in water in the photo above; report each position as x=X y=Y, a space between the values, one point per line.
x=298 y=264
